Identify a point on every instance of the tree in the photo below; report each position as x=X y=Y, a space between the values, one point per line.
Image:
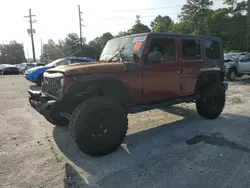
x=138 y=28
x=12 y=53
x=162 y=24
x=196 y=14
x=99 y=43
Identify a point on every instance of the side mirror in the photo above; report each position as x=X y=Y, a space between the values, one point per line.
x=135 y=58
x=154 y=56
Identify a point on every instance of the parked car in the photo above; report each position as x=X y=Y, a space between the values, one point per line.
x=135 y=73
x=25 y=66
x=35 y=74
x=236 y=65
x=8 y=69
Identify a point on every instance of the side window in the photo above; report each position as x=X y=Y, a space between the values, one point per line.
x=165 y=48
x=191 y=49
x=245 y=58
x=63 y=62
x=212 y=49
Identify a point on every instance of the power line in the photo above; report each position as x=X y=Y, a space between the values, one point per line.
x=121 y=18
x=154 y=8
x=31 y=31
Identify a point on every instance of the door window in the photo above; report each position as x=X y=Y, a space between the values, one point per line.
x=162 y=50
x=191 y=49
x=212 y=49
x=245 y=58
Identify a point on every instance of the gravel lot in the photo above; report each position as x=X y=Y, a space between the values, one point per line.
x=173 y=147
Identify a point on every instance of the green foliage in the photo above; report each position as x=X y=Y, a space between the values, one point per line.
x=196 y=17
x=12 y=53
x=162 y=24
x=138 y=28
x=99 y=42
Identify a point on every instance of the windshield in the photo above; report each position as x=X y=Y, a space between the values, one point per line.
x=132 y=45
x=233 y=56
x=54 y=62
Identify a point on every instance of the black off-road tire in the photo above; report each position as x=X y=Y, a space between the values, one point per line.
x=212 y=101
x=98 y=114
x=231 y=75
x=58 y=121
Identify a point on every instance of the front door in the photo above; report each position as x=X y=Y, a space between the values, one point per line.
x=244 y=64
x=191 y=60
x=161 y=73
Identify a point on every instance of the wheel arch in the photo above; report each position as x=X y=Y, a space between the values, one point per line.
x=207 y=78
x=109 y=87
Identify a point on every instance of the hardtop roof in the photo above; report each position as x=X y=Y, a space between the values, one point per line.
x=172 y=35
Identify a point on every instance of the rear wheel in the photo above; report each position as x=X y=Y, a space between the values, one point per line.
x=212 y=101
x=98 y=126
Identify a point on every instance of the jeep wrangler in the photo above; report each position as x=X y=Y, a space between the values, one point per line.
x=134 y=73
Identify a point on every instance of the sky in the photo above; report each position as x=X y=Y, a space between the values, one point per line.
x=56 y=18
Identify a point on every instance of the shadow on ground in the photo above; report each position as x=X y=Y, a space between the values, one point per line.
x=157 y=155
x=245 y=80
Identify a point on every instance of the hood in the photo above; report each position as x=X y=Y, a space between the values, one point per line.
x=34 y=68
x=229 y=62
x=90 y=67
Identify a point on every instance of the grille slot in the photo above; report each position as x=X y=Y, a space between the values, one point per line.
x=52 y=86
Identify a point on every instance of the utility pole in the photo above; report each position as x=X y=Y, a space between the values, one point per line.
x=31 y=31
x=137 y=21
x=41 y=46
x=28 y=55
x=248 y=26
x=80 y=25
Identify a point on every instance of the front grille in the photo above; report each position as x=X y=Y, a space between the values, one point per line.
x=52 y=86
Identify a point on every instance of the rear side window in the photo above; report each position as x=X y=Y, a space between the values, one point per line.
x=212 y=49
x=191 y=49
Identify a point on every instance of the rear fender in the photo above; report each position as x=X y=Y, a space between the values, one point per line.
x=209 y=77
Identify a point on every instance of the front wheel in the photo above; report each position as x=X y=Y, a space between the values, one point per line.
x=211 y=101
x=231 y=75
x=58 y=121
x=98 y=126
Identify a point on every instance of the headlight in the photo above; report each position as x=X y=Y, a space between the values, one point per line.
x=62 y=82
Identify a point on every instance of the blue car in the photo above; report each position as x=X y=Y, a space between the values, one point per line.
x=35 y=74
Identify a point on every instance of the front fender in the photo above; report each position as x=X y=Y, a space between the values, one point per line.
x=110 y=86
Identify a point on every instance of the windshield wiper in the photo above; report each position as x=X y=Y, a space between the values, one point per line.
x=118 y=54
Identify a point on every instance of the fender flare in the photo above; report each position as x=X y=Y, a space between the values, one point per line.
x=209 y=77
x=108 y=86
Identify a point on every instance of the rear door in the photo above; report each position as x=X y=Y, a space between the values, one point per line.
x=161 y=78
x=191 y=61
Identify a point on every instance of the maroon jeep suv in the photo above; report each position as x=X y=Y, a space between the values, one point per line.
x=134 y=73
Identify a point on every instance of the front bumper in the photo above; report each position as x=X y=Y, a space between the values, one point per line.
x=41 y=103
